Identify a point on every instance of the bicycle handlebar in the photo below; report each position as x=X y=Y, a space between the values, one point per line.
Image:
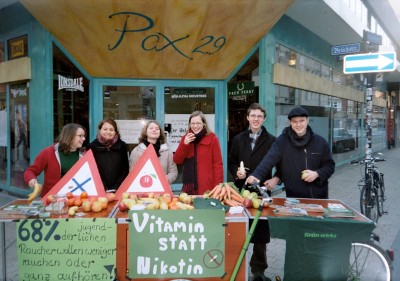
x=370 y=160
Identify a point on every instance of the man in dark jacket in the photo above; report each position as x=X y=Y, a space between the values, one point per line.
x=250 y=146
x=304 y=157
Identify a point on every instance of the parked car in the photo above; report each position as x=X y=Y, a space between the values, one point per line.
x=342 y=141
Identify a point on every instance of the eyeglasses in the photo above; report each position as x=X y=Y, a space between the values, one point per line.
x=256 y=116
x=196 y=124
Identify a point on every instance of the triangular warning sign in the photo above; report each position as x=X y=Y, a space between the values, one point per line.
x=146 y=176
x=83 y=176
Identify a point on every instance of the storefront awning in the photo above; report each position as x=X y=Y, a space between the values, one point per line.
x=167 y=39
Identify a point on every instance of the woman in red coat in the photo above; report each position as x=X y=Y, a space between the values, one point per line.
x=200 y=153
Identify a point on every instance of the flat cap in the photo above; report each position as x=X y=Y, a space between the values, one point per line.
x=298 y=112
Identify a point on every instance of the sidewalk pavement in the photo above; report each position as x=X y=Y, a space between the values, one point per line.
x=343 y=186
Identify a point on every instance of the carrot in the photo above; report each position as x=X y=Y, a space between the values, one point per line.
x=217 y=192
x=237 y=198
x=213 y=190
x=228 y=190
x=222 y=194
x=229 y=203
x=233 y=188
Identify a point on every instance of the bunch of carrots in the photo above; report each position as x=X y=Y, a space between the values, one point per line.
x=227 y=193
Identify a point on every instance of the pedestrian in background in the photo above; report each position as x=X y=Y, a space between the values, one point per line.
x=152 y=133
x=111 y=155
x=250 y=146
x=304 y=158
x=199 y=152
x=56 y=160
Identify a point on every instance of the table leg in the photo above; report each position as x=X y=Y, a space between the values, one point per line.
x=3 y=251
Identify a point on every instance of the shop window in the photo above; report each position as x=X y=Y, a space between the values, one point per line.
x=70 y=93
x=180 y=102
x=2 y=54
x=3 y=135
x=19 y=132
x=18 y=47
x=130 y=107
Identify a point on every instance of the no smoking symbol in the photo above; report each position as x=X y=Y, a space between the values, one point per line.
x=213 y=259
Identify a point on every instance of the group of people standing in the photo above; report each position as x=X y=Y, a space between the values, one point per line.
x=114 y=161
x=268 y=160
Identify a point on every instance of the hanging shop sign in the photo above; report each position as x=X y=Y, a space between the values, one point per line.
x=241 y=88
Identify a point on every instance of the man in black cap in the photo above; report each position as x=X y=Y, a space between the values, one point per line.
x=304 y=159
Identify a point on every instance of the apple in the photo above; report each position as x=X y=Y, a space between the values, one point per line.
x=122 y=206
x=245 y=193
x=86 y=206
x=49 y=199
x=125 y=195
x=247 y=203
x=252 y=195
x=110 y=196
x=133 y=196
x=256 y=203
x=146 y=181
x=304 y=174
x=84 y=195
x=97 y=207
x=167 y=198
x=182 y=196
x=69 y=195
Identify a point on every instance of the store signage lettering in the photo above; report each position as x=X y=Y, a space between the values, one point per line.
x=62 y=249
x=174 y=244
x=71 y=84
x=158 y=41
x=241 y=88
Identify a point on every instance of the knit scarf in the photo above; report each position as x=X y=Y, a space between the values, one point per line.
x=297 y=140
x=156 y=146
x=189 y=175
x=107 y=142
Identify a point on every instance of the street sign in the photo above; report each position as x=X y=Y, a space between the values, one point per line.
x=373 y=62
x=372 y=37
x=345 y=49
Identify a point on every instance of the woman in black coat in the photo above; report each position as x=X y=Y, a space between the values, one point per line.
x=111 y=155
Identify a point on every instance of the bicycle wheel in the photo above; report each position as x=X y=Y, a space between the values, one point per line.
x=368 y=203
x=380 y=190
x=368 y=262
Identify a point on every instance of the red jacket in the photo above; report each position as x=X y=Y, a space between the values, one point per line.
x=209 y=161
x=48 y=161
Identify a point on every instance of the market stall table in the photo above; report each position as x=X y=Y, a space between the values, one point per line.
x=317 y=247
x=8 y=216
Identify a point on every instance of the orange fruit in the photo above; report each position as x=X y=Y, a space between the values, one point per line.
x=71 y=202
x=78 y=202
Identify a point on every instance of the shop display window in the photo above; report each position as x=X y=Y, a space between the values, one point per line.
x=130 y=107
x=70 y=93
x=3 y=135
x=2 y=54
x=19 y=129
x=180 y=102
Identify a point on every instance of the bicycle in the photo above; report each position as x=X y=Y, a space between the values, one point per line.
x=369 y=262
x=372 y=189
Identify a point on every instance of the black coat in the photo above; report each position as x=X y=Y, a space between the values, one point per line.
x=112 y=163
x=241 y=151
x=314 y=155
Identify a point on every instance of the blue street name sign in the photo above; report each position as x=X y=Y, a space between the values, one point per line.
x=345 y=49
x=373 y=62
